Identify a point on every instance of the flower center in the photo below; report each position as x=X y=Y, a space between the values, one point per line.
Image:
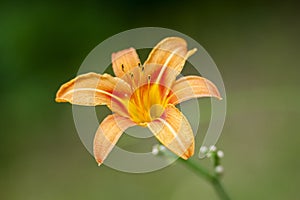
x=147 y=103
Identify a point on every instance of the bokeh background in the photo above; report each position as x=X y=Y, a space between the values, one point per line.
x=255 y=45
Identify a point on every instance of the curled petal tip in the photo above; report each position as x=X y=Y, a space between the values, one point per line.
x=193 y=50
x=59 y=100
x=187 y=155
x=184 y=157
x=218 y=97
x=99 y=162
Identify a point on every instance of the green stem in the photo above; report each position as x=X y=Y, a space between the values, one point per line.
x=204 y=173
x=213 y=179
x=220 y=189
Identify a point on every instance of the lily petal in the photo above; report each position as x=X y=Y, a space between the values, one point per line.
x=93 y=89
x=108 y=134
x=124 y=61
x=189 y=87
x=171 y=52
x=157 y=74
x=174 y=131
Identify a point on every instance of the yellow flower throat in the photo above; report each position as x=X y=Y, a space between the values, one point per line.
x=147 y=103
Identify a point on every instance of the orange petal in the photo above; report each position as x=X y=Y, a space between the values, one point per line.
x=189 y=87
x=124 y=61
x=171 y=52
x=108 y=134
x=93 y=89
x=174 y=131
x=150 y=74
x=158 y=74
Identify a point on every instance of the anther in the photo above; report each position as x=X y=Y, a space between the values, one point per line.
x=123 y=68
x=131 y=75
x=149 y=77
x=143 y=68
x=139 y=64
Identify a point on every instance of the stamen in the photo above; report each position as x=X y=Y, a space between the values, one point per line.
x=123 y=68
x=131 y=75
x=148 y=87
x=143 y=68
x=139 y=64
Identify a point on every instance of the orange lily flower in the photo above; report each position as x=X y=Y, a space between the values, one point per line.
x=143 y=95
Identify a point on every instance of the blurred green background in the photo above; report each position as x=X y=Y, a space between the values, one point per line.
x=255 y=45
